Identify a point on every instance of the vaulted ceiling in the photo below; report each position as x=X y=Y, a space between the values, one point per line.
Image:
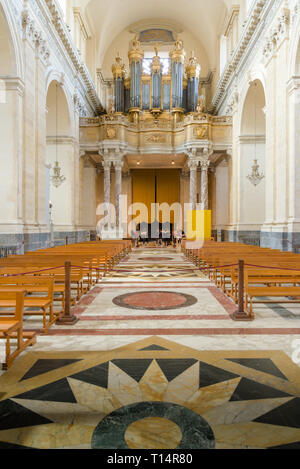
x=204 y=19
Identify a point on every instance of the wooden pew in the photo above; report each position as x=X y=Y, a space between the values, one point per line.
x=270 y=283
x=35 y=285
x=281 y=278
x=11 y=327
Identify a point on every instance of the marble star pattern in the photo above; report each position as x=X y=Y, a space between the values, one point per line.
x=249 y=399
x=156 y=272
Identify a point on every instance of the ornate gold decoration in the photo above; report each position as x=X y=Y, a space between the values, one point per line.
x=193 y=68
x=111 y=132
x=127 y=83
x=201 y=133
x=156 y=64
x=118 y=68
x=136 y=54
x=178 y=53
x=156 y=139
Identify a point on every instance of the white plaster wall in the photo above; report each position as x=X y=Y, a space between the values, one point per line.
x=62 y=198
x=9 y=160
x=89 y=197
x=252 y=198
x=221 y=196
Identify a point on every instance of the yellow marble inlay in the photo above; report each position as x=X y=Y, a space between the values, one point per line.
x=153 y=433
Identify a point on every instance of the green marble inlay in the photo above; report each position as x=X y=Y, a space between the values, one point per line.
x=196 y=432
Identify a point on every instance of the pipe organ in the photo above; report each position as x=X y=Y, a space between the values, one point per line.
x=164 y=85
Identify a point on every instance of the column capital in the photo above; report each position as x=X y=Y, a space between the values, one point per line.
x=193 y=164
x=118 y=164
x=204 y=165
x=106 y=164
x=196 y=151
x=114 y=151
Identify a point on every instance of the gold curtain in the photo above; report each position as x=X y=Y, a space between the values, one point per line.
x=143 y=189
x=168 y=189
x=156 y=185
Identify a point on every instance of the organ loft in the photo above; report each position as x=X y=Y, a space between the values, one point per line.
x=159 y=142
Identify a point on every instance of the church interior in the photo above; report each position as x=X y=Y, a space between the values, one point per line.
x=150 y=225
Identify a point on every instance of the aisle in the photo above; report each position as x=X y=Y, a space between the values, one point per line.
x=156 y=291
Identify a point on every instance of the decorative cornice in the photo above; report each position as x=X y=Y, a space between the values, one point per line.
x=34 y=35
x=12 y=84
x=233 y=103
x=79 y=105
x=293 y=84
x=64 y=35
x=278 y=34
x=83 y=25
x=234 y=12
x=249 y=30
x=59 y=140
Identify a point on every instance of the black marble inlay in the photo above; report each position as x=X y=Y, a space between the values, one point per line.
x=295 y=445
x=4 y=445
x=44 y=365
x=13 y=415
x=196 y=432
x=134 y=367
x=287 y=415
x=59 y=391
x=173 y=367
x=261 y=364
x=248 y=390
x=97 y=375
x=153 y=347
x=210 y=375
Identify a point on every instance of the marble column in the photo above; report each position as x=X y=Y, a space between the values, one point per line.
x=106 y=166
x=204 y=184
x=193 y=165
x=118 y=190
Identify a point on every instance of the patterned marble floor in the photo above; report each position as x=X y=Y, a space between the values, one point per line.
x=151 y=394
x=156 y=362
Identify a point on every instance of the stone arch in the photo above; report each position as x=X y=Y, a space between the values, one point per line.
x=11 y=63
x=60 y=143
x=11 y=96
x=56 y=77
x=252 y=150
x=58 y=112
x=253 y=110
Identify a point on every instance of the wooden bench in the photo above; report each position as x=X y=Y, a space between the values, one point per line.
x=12 y=328
x=281 y=284
x=43 y=305
x=280 y=279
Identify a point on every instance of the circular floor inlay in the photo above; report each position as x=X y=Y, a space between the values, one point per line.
x=153 y=433
x=115 y=429
x=154 y=300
